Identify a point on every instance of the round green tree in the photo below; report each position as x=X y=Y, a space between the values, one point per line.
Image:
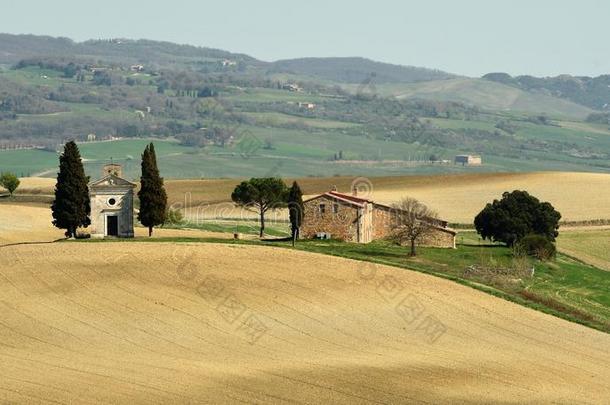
x=261 y=195
x=10 y=182
x=516 y=215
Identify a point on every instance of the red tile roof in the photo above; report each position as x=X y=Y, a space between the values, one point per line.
x=349 y=197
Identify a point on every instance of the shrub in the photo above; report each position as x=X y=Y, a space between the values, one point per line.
x=174 y=217
x=9 y=181
x=538 y=246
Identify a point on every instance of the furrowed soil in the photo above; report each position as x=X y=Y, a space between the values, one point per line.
x=457 y=198
x=122 y=322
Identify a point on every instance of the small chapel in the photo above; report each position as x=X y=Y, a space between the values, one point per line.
x=112 y=204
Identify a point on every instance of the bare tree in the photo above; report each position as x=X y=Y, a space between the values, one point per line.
x=411 y=222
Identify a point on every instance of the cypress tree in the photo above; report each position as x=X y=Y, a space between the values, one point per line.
x=152 y=195
x=296 y=210
x=71 y=207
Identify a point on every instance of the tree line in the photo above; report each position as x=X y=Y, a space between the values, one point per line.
x=517 y=219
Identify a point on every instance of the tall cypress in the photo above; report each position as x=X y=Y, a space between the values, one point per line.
x=71 y=207
x=296 y=210
x=152 y=195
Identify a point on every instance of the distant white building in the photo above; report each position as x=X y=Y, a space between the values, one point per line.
x=309 y=106
x=292 y=87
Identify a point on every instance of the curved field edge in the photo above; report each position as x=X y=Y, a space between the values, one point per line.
x=589 y=245
x=534 y=300
x=133 y=317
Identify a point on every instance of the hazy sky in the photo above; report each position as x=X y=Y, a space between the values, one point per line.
x=469 y=37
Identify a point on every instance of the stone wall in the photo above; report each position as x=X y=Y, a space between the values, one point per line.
x=375 y=223
x=101 y=208
x=341 y=225
x=441 y=238
x=383 y=222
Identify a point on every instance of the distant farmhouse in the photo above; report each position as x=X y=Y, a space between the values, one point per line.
x=112 y=204
x=292 y=87
x=353 y=219
x=309 y=106
x=468 y=160
x=94 y=69
x=229 y=63
x=136 y=68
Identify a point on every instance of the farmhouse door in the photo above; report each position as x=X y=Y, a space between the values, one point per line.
x=112 y=225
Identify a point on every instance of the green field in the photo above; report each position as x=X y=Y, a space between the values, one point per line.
x=42 y=163
x=274 y=119
x=268 y=95
x=304 y=143
x=237 y=226
x=486 y=94
x=295 y=153
x=591 y=246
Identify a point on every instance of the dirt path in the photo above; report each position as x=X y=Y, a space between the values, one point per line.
x=201 y=323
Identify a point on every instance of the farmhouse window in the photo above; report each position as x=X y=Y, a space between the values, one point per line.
x=335 y=208
x=322 y=208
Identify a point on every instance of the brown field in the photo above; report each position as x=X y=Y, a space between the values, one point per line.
x=591 y=246
x=144 y=323
x=32 y=223
x=36 y=185
x=578 y=196
x=457 y=198
x=26 y=223
x=139 y=323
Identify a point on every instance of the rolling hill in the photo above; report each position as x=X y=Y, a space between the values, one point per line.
x=485 y=94
x=356 y=70
x=156 y=323
x=14 y=48
x=561 y=95
x=593 y=92
x=304 y=117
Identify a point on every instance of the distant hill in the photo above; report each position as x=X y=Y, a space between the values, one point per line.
x=210 y=107
x=593 y=92
x=487 y=94
x=14 y=48
x=562 y=95
x=356 y=70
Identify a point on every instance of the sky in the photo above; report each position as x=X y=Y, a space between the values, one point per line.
x=467 y=37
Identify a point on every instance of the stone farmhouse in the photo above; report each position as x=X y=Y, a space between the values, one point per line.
x=353 y=219
x=112 y=204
